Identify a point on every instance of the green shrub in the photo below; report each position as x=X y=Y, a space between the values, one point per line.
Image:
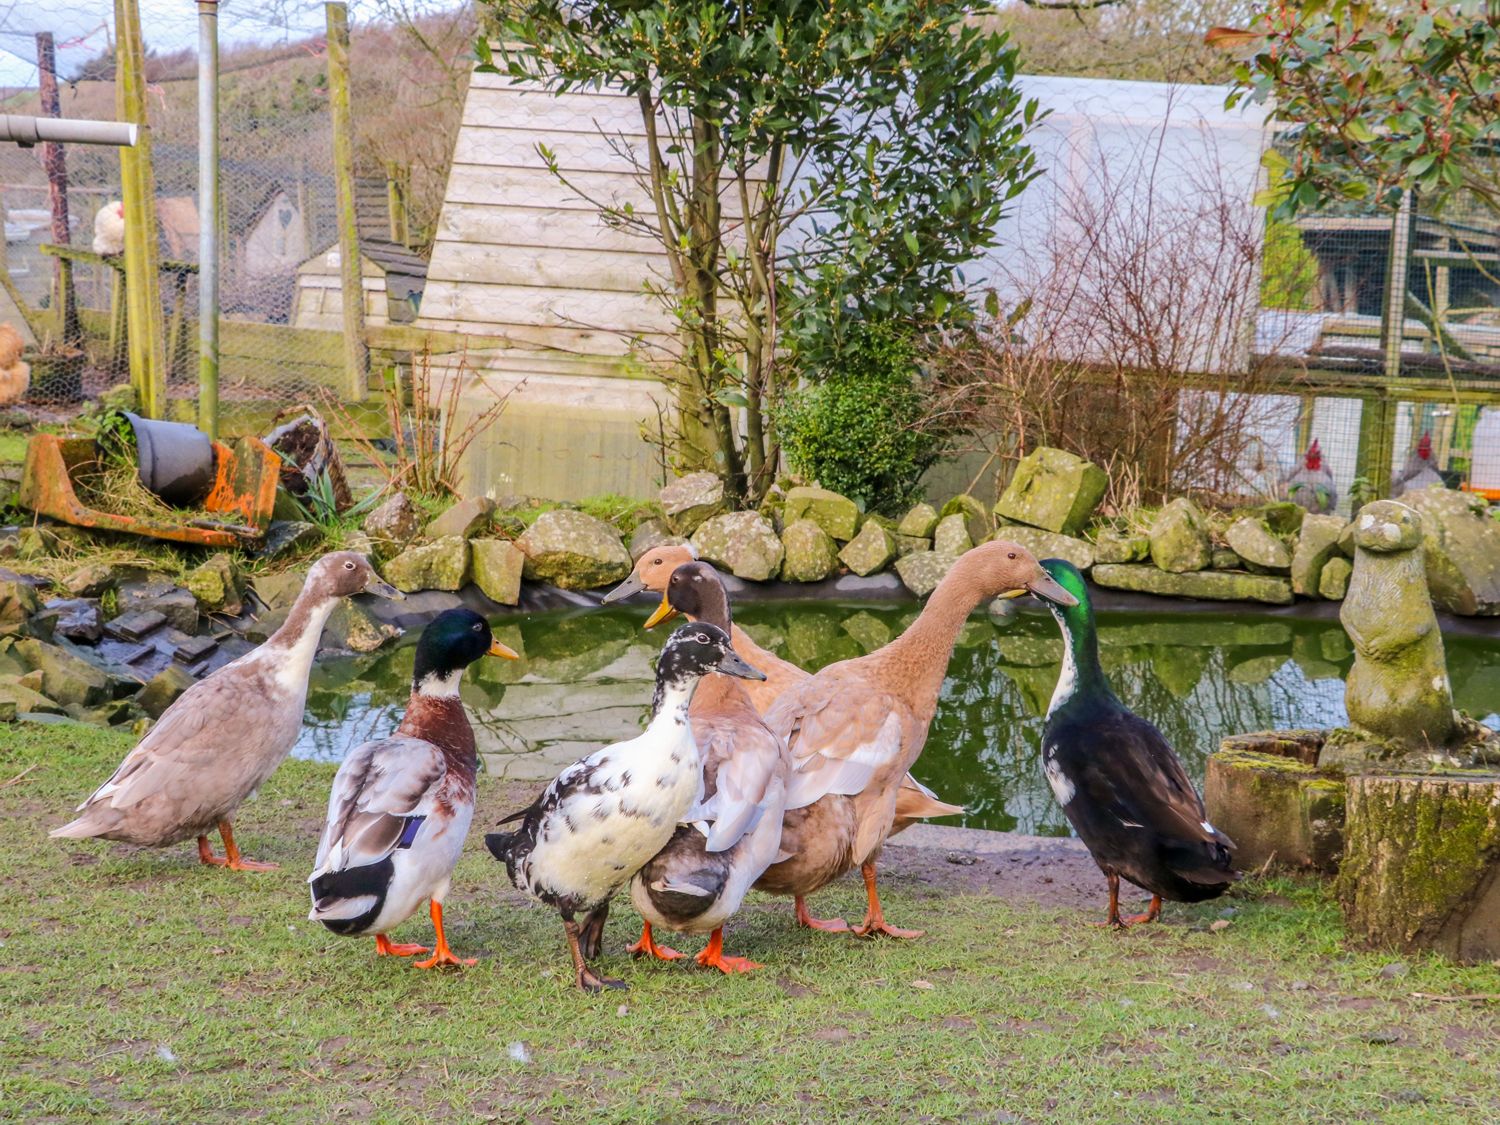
x=856 y=425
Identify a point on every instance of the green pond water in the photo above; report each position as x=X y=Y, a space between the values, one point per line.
x=585 y=681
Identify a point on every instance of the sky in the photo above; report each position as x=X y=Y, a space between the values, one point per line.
x=83 y=28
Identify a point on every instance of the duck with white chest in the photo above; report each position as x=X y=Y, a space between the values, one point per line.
x=605 y=816
x=401 y=806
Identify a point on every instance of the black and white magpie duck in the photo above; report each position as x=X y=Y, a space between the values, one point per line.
x=401 y=806
x=603 y=817
x=1119 y=782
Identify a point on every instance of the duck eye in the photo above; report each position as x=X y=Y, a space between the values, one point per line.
x=703 y=638
x=475 y=626
x=349 y=565
x=1010 y=554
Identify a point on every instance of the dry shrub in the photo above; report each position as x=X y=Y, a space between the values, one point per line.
x=1127 y=337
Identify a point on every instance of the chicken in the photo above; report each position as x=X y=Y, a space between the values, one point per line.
x=109 y=229
x=1310 y=485
x=15 y=373
x=1420 y=470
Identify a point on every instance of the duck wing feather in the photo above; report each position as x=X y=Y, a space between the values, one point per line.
x=842 y=732
x=381 y=795
x=749 y=759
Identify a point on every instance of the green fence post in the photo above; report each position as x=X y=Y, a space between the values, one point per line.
x=356 y=350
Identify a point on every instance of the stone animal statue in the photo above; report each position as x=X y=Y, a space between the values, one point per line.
x=1398 y=689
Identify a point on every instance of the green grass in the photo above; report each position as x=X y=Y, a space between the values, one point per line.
x=139 y=985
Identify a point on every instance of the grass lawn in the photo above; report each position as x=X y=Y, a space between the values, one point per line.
x=142 y=986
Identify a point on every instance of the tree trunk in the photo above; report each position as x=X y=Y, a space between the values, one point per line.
x=1421 y=867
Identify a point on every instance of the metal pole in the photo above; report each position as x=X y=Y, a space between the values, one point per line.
x=208 y=217
x=356 y=351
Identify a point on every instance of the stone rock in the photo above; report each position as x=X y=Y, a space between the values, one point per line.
x=1053 y=490
x=1317 y=542
x=921 y=571
x=77 y=619
x=1225 y=559
x=809 y=553
x=1254 y=542
x=497 y=565
x=275 y=593
x=574 y=550
x=353 y=627
x=1111 y=546
x=952 y=535
x=18 y=603
x=67 y=679
x=919 y=522
x=91 y=581
x=690 y=500
x=837 y=515
x=162 y=690
x=1179 y=538
x=1212 y=585
x=215 y=585
x=464 y=519
x=743 y=543
x=1333 y=580
x=21 y=693
x=910 y=544
x=158 y=595
x=1277 y=808
x=652 y=533
x=1461 y=548
x=395 y=523
x=1398 y=689
x=870 y=551
x=1283 y=517
x=290 y=537
x=36 y=543
x=1049 y=544
x=977 y=519
x=440 y=565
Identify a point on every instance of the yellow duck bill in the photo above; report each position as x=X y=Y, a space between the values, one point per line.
x=661 y=613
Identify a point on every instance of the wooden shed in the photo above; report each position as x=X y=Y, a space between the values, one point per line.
x=393 y=278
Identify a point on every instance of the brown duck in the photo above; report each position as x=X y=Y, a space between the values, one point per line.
x=215 y=746
x=810 y=833
x=856 y=727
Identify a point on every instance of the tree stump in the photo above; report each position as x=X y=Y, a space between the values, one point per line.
x=1421 y=867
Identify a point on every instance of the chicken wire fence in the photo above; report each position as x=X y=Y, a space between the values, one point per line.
x=281 y=322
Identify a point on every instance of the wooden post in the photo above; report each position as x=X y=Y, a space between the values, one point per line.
x=356 y=351
x=138 y=193
x=54 y=161
x=1377 y=441
x=1398 y=264
x=208 y=218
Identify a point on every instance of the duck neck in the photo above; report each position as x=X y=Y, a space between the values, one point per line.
x=716 y=691
x=435 y=714
x=918 y=658
x=669 y=704
x=296 y=642
x=1082 y=676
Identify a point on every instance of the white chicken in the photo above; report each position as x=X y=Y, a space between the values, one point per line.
x=109 y=229
x=1311 y=485
x=15 y=372
x=1420 y=471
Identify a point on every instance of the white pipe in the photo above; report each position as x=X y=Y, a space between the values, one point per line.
x=27 y=131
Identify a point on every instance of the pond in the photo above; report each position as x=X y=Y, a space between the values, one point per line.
x=585 y=680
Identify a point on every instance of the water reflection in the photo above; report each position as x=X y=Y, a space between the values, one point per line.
x=584 y=679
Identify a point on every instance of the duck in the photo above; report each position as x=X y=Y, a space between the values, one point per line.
x=1119 y=782
x=914 y=801
x=219 y=741
x=698 y=881
x=600 y=820
x=400 y=807
x=1311 y=485
x=855 y=728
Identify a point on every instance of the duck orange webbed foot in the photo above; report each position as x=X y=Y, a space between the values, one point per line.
x=827 y=925
x=441 y=954
x=1153 y=912
x=648 y=947
x=231 y=858
x=384 y=947
x=592 y=982
x=711 y=956
x=873 y=927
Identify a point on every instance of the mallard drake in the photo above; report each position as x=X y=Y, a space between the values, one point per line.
x=807 y=829
x=856 y=727
x=1118 y=781
x=697 y=882
x=221 y=739
x=603 y=817
x=401 y=806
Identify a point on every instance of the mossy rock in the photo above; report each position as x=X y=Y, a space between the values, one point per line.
x=1054 y=490
x=1210 y=585
x=1317 y=543
x=743 y=543
x=215 y=584
x=1276 y=808
x=1461 y=546
x=919 y=522
x=443 y=565
x=67 y=679
x=1420 y=855
x=18 y=603
x=651 y=533
x=1282 y=516
x=977 y=519
x=690 y=500
x=871 y=551
x=837 y=515
x=352 y=627
x=1112 y=546
x=497 y=566
x=1049 y=545
x=809 y=553
x=952 y=535
x=1179 y=538
x=921 y=571
x=911 y=544
x=1225 y=559
x=466 y=518
x=1333 y=581
x=573 y=550
x=1255 y=542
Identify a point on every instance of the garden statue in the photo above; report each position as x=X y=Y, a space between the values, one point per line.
x=1398 y=688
